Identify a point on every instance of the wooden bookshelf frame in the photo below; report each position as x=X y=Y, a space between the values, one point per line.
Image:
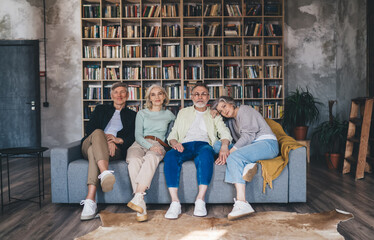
x=183 y=21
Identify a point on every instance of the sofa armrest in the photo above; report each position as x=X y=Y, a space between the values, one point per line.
x=297 y=175
x=60 y=159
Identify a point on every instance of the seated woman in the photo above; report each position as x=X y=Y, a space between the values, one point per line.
x=147 y=152
x=253 y=140
x=109 y=133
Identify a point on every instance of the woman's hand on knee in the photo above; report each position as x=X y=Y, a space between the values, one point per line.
x=156 y=149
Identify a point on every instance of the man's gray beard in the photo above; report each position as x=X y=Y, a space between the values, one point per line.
x=200 y=105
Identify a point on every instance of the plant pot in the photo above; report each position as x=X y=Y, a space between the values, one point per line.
x=300 y=132
x=332 y=160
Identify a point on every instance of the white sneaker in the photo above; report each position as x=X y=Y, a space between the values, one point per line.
x=200 y=209
x=89 y=210
x=137 y=203
x=174 y=210
x=141 y=217
x=240 y=209
x=249 y=171
x=107 y=180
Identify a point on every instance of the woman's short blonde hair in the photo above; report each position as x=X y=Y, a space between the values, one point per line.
x=148 y=103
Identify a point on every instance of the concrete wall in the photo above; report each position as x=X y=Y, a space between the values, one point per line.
x=325 y=47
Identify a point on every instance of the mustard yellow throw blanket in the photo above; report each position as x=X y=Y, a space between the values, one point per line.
x=272 y=168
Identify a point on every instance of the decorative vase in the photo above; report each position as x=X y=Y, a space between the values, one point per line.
x=332 y=160
x=300 y=132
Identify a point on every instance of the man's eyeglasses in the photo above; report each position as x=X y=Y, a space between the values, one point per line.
x=204 y=94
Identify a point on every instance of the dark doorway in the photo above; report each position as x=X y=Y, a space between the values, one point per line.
x=19 y=93
x=370 y=43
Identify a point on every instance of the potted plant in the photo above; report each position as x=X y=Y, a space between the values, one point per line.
x=331 y=136
x=299 y=111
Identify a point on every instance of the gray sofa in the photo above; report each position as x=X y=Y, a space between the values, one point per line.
x=69 y=176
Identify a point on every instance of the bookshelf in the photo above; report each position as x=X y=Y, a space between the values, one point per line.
x=235 y=46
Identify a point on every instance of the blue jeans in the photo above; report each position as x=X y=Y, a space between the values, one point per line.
x=203 y=155
x=259 y=150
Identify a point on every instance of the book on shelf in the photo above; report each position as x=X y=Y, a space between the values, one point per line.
x=193 y=72
x=253 y=50
x=152 y=50
x=131 y=72
x=131 y=31
x=171 y=50
x=91 y=10
x=212 y=10
x=192 y=31
x=273 y=71
x=151 y=11
x=253 y=90
x=233 y=10
x=152 y=72
x=233 y=49
x=93 y=92
x=106 y=91
x=171 y=71
x=111 y=72
x=215 y=90
x=272 y=30
x=213 y=50
x=234 y=91
x=88 y=109
x=131 y=11
x=112 y=51
x=212 y=70
x=112 y=11
x=192 y=10
x=273 y=110
x=173 y=90
x=253 y=9
x=187 y=89
x=170 y=10
x=232 y=71
x=151 y=31
x=91 y=31
x=252 y=71
x=232 y=29
x=131 y=51
x=273 y=90
x=111 y=31
x=91 y=52
x=134 y=92
x=213 y=29
x=273 y=49
x=171 y=30
x=193 y=50
x=92 y=72
x=253 y=29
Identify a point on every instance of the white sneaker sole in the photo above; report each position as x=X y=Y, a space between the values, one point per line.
x=230 y=217
x=135 y=207
x=88 y=217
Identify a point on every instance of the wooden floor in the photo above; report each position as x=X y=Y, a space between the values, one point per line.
x=327 y=190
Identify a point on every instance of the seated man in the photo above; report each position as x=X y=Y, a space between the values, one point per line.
x=109 y=133
x=192 y=137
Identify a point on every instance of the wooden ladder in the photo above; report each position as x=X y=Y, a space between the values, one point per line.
x=364 y=106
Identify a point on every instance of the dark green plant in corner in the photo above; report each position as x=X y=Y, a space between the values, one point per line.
x=332 y=134
x=300 y=109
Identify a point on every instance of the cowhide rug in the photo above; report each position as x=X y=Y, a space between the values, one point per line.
x=262 y=225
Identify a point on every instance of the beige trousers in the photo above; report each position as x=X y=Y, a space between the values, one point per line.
x=95 y=148
x=143 y=163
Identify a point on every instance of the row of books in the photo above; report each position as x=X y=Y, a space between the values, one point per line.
x=131 y=11
x=112 y=11
x=151 y=10
x=233 y=10
x=92 y=72
x=193 y=50
x=252 y=71
x=152 y=50
x=92 y=92
x=192 y=10
x=111 y=51
x=131 y=51
x=213 y=29
x=192 y=31
x=274 y=110
x=171 y=50
x=152 y=72
x=232 y=71
x=150 y=31
x=91 y=31
x=273 y=91
x=91 y=51
x=174 y=91
x=273 y=71
x=171 y=71
x=213 y=50
x=91 y=10
x=111 y=72
x=131 y=72
x=193 y=72
x=135 y=92
x=233 y=49
x=112 y=31
x=213 y=9
x=212 y=70
x=131 y=31
x=232 y=29
x=171 y=30
x=170 y=10
x=272 y=30
x=253 y=29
